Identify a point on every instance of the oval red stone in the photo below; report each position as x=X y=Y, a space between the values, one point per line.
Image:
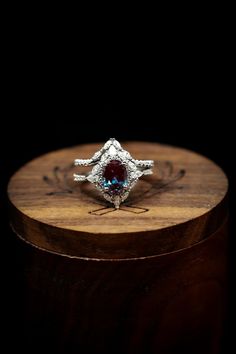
x=115 y=176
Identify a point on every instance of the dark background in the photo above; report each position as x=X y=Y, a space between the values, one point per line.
x=181 y=96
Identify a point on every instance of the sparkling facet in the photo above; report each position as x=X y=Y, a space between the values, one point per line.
x=115 y=177
x=116 y=144
x=112 y=150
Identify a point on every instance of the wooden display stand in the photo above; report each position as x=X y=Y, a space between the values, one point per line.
x=147 y=278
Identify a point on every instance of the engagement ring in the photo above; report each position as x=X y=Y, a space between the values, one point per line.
x=115 y=171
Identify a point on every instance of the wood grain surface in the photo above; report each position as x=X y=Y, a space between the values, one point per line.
x=183 y=202
x=168 y=304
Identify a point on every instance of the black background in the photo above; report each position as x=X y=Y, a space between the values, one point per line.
x=181 y=97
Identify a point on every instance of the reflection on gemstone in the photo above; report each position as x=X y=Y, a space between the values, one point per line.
x=115 y=177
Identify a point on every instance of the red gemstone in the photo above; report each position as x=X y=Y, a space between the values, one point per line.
x=115 y=176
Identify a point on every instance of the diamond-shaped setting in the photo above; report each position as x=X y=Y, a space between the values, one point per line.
x=115 y=172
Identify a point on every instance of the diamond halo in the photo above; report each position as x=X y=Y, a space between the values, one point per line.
x=115 y=171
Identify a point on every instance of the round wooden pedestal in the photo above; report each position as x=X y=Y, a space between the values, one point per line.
x=147 y=278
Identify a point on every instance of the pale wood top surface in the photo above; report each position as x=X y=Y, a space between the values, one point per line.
x=182 y=197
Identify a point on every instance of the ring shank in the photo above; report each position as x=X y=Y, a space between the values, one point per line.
x=142 y=168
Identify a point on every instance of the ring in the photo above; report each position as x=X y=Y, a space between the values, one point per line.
x=115 y=172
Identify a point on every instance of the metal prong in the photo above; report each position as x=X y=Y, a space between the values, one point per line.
x=117 y=202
